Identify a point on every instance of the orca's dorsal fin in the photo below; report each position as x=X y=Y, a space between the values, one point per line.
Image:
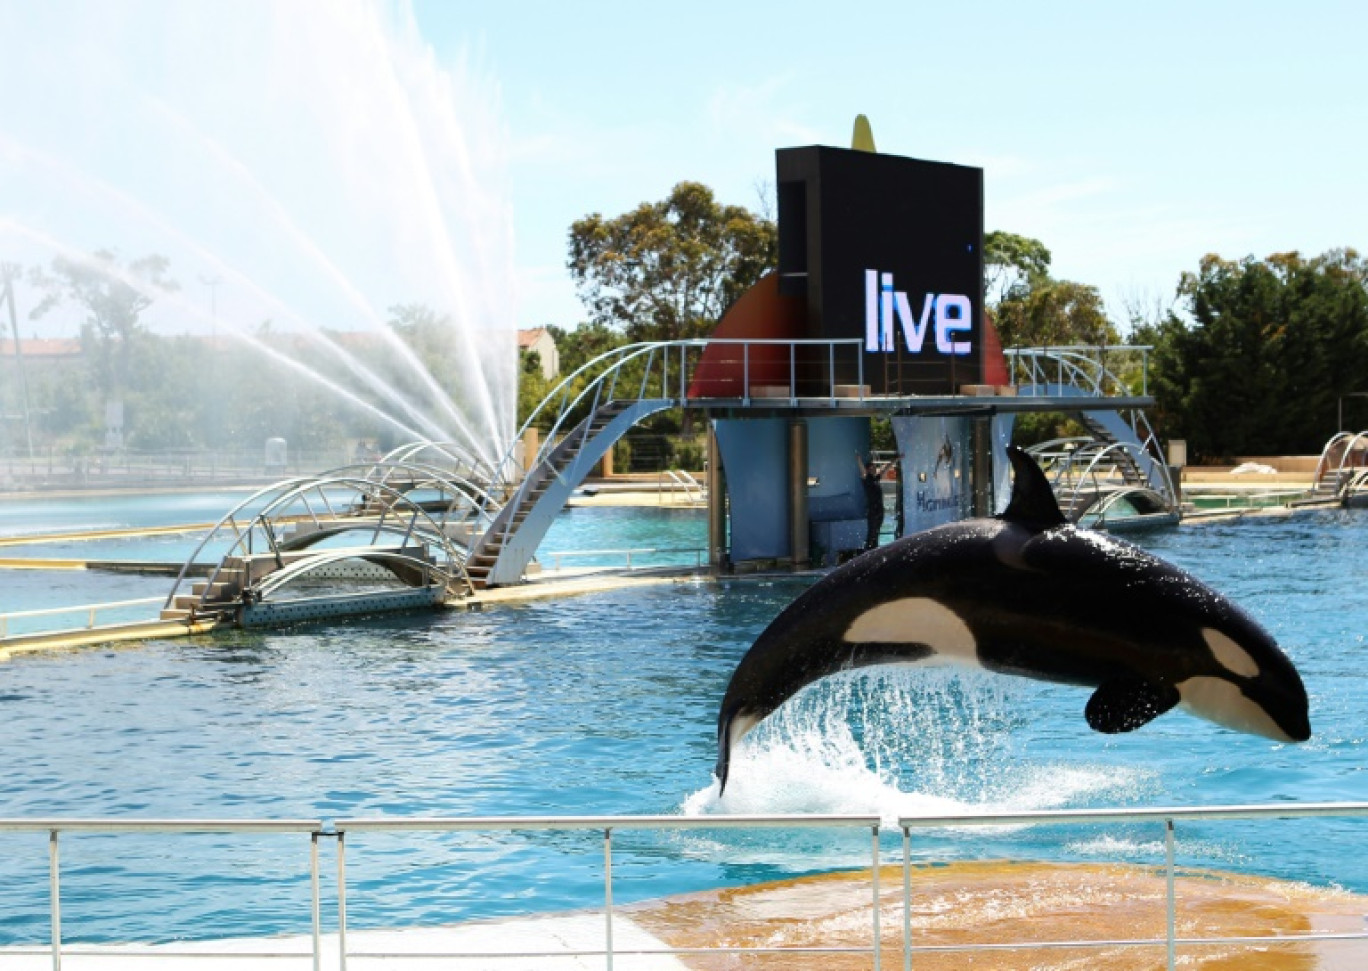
x=1033 y=501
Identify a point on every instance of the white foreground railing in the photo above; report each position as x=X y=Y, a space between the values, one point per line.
x=1168 y=818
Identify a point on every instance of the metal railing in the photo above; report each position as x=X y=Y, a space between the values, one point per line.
x=1168 y=818
x=1082 y=366
x=91 y=611
x=684 y=481
x=607 y=825
x=56 y=827
x=667 y=369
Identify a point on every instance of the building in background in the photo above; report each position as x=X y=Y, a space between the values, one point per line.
x=538 y=340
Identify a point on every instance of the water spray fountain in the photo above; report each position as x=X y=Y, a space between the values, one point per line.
x=313 y=159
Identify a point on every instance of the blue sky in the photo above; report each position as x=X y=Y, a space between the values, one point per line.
x=1131 y=139
x=325 y=160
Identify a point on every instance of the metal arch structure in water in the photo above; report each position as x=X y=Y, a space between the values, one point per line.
x=1103 y=484
x=426 y=517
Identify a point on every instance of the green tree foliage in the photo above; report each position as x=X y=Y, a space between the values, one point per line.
x=113 y=298
x=1055 y=313
x=1032 y=309
x=576 y=348
x=1271 y=346
x=667 y=270
x=532 y=385
x=580 y=346
x=1012 y=265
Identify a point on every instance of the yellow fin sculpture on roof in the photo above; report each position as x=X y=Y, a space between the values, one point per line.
x=862 y=139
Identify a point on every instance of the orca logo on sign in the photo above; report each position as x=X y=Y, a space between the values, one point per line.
x=952 y=313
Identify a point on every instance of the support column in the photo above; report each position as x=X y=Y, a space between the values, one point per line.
x=717 y=504
x=981 y=467
x=531 y=444
x=799 y=545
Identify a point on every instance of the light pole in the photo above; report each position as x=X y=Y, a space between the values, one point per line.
x=8 y=273
x=1339 y=418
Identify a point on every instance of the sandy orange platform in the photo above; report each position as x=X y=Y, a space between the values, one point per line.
x=1015 y=903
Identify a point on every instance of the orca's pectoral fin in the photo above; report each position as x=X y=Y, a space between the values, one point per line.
x=1124 y=704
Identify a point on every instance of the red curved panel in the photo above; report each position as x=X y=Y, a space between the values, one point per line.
x=761 y=313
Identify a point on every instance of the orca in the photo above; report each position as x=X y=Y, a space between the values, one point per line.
x=1027 y=593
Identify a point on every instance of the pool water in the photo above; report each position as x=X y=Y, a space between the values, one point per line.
x=607 y=704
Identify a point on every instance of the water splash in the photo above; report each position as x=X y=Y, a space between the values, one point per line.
x=901 y=741
x=313 y=159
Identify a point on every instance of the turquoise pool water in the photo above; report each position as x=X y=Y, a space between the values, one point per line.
x=607 y=704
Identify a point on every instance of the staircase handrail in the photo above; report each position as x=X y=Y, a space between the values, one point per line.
x=606 y=364
x=1348 y=440
x=609 y=367
x=1084 y=365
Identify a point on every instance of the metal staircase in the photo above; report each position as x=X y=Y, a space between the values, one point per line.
x=1122 y=442
x=1339 y=475
x=502 y=554
x=1125 y=461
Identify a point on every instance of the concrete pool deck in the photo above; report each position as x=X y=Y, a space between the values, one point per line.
x=1093 y=916
x=555 y=943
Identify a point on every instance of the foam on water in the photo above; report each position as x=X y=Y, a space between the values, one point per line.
x=903 y=742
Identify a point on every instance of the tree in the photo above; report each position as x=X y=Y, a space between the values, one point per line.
x=667 y=270
x=113 y=298
x=1030 y=308
x=1271 y=346
x=580 y=346
x=1054 y=313
x=1012 y=265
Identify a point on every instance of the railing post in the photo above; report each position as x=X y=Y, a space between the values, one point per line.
x=608 y=897
x=341 y=901
x=793 y=373
x=831 y=373
x=878 y=941
x=907 y=898
x=55 y=904
x=1172 y=903
x=316 y=902
x=745 y=372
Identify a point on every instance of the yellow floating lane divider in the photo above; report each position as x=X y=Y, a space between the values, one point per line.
x=91 y=636
x=39 y=563
x=31 y=539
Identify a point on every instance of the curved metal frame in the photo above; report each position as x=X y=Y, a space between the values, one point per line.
x=1075 y=361
x=1322 y=464
x=1100 y=508
x=1096 y=453
x=479 y=470
x=419 y=523
x=295 y=571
